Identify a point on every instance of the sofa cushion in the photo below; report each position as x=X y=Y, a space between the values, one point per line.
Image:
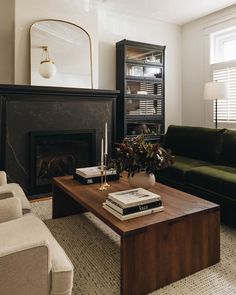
x=195 y=142
x=228 y=154
x=181 y=164
x=214 y=179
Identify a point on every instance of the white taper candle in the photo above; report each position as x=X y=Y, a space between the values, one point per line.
x=102 y=156
x=106 y=139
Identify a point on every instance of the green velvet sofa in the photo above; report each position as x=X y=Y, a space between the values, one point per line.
x=205 y=165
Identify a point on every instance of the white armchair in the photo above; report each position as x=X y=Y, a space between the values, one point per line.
x=31 y=260
x=13 y=189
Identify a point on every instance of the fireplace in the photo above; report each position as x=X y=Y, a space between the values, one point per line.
x=58 y=153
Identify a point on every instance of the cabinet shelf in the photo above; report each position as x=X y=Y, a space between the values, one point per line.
x=143 y=117
x=143 y=63
x=143 y=96
x=146 y=79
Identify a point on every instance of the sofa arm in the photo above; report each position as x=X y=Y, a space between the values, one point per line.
x=3 y=178
x=25 y=268
x=10 y=208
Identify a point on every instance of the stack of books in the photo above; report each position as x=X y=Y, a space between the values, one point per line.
x=91 y=175
x=133 y=203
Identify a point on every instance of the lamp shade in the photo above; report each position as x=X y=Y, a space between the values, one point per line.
x=47 y=69
x=215 y=90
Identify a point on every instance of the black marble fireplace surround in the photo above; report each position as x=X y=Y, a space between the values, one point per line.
x=27 y=110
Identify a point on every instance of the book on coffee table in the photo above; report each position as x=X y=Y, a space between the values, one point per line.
x=133 y=209
x=133 y=197
x=90 y=175
x=90 y=172
x=97 y=179
x=132 y=215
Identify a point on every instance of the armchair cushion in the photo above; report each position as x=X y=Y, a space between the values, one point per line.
x=16 y=190
x=10 y=208
x=3 y=178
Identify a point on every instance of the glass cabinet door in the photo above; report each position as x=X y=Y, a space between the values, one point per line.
x=145 y=107
x=144 y=55
x=143 y=128
x=144 y=88
x=148 y=72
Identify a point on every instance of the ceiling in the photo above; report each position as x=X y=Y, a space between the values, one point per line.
x=172 y=11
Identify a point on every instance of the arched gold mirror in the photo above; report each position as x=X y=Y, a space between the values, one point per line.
x=60 y=54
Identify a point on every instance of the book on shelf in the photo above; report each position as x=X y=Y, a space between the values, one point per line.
x=97 y=179
x=132 y=215
x=95 y=171
x=134 y=209
x=133 y=197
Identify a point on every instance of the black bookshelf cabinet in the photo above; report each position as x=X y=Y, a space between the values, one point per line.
x=140 y=77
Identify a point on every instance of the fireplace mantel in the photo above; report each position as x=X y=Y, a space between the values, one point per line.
x=25 y=109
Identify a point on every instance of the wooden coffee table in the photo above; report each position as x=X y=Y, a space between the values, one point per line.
x=156 y=249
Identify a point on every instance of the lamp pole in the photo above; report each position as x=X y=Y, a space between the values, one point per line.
x=216 y=113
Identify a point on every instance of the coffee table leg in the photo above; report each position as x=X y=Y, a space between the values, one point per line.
x=166 y=252
x=63 y=204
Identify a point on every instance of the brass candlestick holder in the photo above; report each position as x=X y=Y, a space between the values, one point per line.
x=102 y=186
x=105 y=164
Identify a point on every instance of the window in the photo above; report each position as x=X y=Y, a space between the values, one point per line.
x=223 y=64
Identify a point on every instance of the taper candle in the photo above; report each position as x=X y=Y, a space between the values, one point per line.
x=106 y=142
x=102 y=156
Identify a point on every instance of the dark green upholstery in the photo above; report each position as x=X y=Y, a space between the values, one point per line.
x=180 y=166
x=215 y=179
x=195 y=142
x=205 y=165
x=228 y=153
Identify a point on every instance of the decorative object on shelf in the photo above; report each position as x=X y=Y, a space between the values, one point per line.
x=214 y=91
x=47 y=68
x=135 y=155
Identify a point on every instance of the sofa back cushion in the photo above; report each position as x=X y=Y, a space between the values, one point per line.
x=228 y=152
x=195 y=142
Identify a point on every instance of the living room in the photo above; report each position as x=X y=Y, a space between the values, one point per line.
x=186 y=31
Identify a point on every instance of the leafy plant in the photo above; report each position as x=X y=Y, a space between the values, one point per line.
x=135 y=155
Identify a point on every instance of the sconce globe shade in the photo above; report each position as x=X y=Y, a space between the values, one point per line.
x=47 y=69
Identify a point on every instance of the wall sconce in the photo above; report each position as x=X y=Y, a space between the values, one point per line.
x=47 y=68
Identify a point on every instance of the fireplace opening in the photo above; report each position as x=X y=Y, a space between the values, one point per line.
x=59 y=153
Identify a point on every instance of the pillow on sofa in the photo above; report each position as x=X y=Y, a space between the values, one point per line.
x=228 y=152
x=195 y=142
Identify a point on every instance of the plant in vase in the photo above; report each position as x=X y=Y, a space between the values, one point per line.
x=141 y=159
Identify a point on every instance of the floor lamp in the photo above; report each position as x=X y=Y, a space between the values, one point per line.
x=215 y=91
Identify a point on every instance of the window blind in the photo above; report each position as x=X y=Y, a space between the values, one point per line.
x=226 y=108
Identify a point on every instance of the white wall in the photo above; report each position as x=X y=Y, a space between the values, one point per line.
x=7 y=19
x=105 y=28
x=114 y=27
x=195 y=58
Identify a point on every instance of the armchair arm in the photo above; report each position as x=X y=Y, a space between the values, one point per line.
x=10 y=208
x=25 y=267
x=6 y=193
x=3 y=178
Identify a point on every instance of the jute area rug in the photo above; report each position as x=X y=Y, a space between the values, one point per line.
x=94 y=251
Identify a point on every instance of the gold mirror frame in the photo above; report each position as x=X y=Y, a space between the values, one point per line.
x=66 y=22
